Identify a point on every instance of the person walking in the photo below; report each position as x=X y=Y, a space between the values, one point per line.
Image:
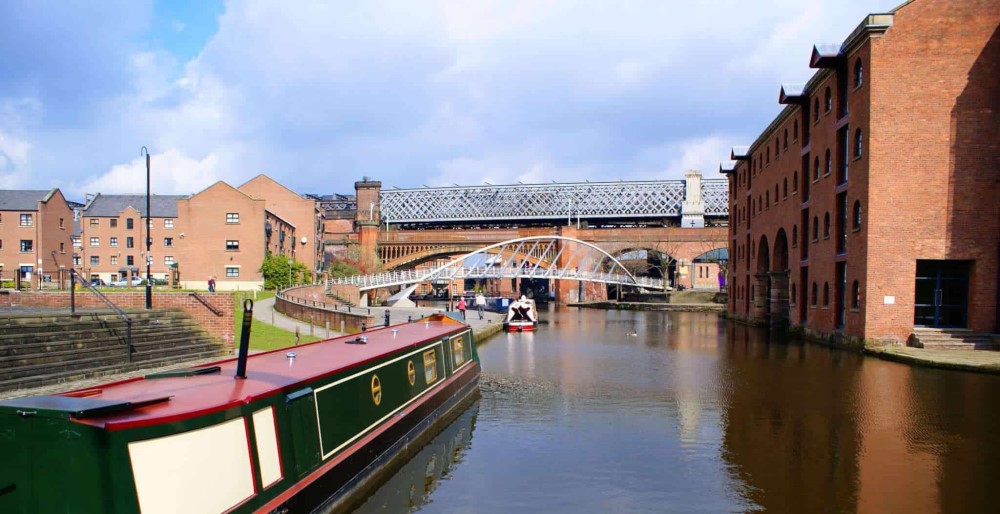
x=480 y=304
x=461 y=306
x=722 y=281
x=211 y=284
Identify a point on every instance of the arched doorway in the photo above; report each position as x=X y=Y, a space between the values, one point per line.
x=762 y=289
x=779 y=276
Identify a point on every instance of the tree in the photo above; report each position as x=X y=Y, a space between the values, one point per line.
x=363 y=260
x=279 y=272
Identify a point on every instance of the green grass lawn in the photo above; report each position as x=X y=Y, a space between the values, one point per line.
x=262 y=335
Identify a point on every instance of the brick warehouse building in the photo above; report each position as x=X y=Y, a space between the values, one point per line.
x=869 y=206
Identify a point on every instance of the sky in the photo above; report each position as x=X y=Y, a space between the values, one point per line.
x=319 y=94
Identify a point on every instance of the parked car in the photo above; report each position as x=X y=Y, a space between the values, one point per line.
x=96 y=282
x=159 y=281
x=136 y=281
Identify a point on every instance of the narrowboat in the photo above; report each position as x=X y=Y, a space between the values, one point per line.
x=522 y=316
x=303 y=429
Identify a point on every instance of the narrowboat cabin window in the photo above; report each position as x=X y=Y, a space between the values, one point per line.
x=457 y=346
x=430 y=367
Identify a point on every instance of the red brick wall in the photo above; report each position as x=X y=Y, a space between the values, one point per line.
x=220 y=327
x=934 y=156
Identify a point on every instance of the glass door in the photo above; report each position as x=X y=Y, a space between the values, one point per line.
x=941 y=293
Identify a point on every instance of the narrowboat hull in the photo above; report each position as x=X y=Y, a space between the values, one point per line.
x=520 y=326
x=310 y=429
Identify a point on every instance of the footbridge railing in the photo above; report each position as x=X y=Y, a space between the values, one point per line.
x=564 y=259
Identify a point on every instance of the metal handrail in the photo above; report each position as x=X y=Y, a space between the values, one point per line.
x=206 y=303
x=109 y=303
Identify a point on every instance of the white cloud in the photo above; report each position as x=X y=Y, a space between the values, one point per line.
x=171 y=173
x=14 y=153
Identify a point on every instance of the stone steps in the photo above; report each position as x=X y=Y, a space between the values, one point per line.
x=40 y=349
x=957 y=339
x=73 y=375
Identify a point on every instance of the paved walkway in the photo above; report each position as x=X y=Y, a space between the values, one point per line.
x=984 y=361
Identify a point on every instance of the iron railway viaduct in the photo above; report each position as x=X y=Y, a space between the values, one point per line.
x=409 y=228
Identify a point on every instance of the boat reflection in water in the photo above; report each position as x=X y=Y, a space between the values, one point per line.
x=412 y=485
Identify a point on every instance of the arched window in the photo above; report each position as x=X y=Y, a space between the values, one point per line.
x=769 y=155
x=795 y=235
x=827 y=100
x=776 y=194
x=859 y=73
x=795 y=130
x=858 y=143
x=776 y=149
x=795 y=182
x=829 y=163
x=826 y=294
x=814 y=289
x=855 y=295
x=816 y=109
x=826 y=225
x=785 y=145
x=767 y=199
x=857 y=215
x=815 y=228
x=784 y=188
x=816 y=168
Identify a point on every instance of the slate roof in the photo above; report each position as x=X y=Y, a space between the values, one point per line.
x=727 y=166
x=791 y=93
x=163 y=206
x=21 y=199
x=739 y=152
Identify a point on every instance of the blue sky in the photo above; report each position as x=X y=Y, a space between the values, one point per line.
x=319 y=94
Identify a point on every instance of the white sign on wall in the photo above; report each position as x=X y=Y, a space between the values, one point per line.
x=889 y=300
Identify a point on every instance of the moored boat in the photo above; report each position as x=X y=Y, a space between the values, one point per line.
x=308 y=427
x=522 y=316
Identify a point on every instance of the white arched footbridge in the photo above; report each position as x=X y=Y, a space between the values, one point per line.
x=536 y=257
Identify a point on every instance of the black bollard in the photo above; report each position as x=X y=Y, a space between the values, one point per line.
x=241 y=361
x=409 y=319
x=72 y=292
x=363 y=326
x=387 y=317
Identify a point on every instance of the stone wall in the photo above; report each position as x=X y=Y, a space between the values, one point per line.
x=311 y=305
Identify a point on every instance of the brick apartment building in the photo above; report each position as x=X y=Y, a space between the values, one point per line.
x=295 y=209
x=112 y=237
x=870 y=204
x=225 y=233
x=221 y=232
x=33 y=225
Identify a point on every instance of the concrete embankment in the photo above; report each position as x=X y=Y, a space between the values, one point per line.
x=982 y=361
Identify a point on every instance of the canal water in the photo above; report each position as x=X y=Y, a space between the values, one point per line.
x=692 y=414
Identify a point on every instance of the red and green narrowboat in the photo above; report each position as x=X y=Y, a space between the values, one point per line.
x=307 y=428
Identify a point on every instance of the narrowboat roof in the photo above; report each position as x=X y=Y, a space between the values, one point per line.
x=183 y=394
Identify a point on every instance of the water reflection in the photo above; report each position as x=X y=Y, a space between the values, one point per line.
x=412 y=486
x=694 y=415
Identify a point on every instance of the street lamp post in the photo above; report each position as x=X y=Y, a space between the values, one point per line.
x=149 y=239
